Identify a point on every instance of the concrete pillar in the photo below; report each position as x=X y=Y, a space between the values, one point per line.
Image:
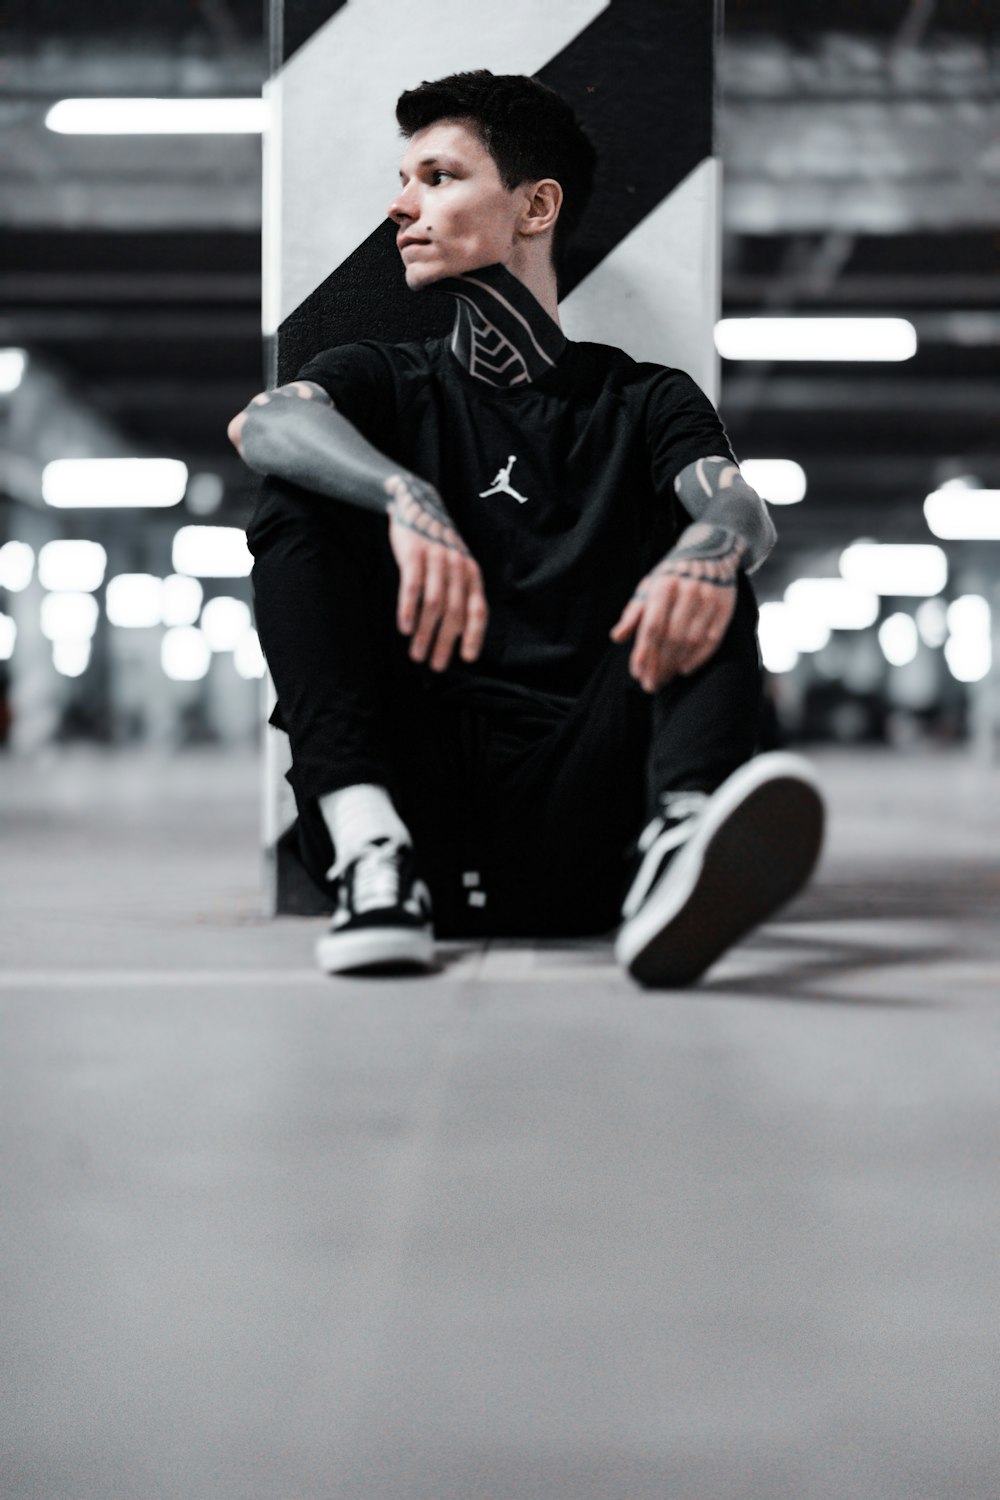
x=644 y=269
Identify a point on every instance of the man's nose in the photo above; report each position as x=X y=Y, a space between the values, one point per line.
x=401 y=207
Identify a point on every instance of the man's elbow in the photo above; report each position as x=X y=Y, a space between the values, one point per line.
x=235 y=431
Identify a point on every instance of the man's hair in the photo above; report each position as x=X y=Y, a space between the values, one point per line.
x=528 y=129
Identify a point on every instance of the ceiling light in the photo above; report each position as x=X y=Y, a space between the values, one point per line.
x=969 y=657
x=114 y=481
x=181 y=599
x=248 y=658
x=134 y=600
x=70 y=564
x=8 y=635
x=68 y=617
x=212 y=552
x=184 y=654
x=12 y=363
x=70 y=657
x=964 y=515
x=816 y=339
x=834 y=602
x=898 y=638
x=776 y=646
x=779 y=481
x=889 y=568
x=17 y=563
x=225 y=621
x=157 y=116
x=932 y=622
x=969 y=616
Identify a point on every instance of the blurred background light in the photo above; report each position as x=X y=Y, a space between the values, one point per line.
x=899 y=639
x=8 y=635
x=248 y=658
x=212 y=552
x=71 y=656
x=960 y=514
x=72 y=565
x=867 y=339
x=776 y=646
x=890 y=568
x=134 y=599
x=834 y=602
x=224 y=622
x=68 y=616
x=181 y=599
x=12 y=367
x=139 y=482
x=185 y=654
x=157 y=116
x=932 y=622
x=779 y=481
x=969 y=657
x=969 y=615
x=204 y=494
x=17 y=563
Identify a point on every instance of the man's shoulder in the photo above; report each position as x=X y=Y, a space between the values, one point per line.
x=613 y=366
x=380 y=356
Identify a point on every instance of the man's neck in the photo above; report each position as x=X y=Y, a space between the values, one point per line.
x=502 y=333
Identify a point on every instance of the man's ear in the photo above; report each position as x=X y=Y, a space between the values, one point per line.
x=544 y=202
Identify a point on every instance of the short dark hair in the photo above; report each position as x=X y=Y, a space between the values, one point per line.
x=530 y=131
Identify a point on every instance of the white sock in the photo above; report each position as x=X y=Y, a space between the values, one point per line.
x=355 y=815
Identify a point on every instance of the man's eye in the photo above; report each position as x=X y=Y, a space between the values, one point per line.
x=439 y=172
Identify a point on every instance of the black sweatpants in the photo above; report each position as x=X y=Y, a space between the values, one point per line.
x=529 y=800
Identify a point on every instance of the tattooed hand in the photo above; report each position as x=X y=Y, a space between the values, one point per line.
x=682 y=609
x=441 y=587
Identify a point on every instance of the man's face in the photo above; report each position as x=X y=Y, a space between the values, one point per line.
x=452 y=205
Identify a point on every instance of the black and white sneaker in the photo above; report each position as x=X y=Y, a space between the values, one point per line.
x=383 y=916
x=714 y=867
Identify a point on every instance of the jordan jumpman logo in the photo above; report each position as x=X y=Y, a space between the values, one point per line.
x=502 y=484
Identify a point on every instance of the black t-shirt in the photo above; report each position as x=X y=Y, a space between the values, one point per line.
x=580 y=462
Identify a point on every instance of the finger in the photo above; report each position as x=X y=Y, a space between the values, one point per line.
x=454 y=614
x=411 y=586
x=432 y=605
x=688 y=623
x=630 y=617
x=652 y=630
x=476 y=618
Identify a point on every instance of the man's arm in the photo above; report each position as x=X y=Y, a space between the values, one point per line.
x=681 y=610
x=296 y=433
x=729 y=516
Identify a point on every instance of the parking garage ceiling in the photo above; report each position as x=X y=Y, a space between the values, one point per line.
x=861 y=150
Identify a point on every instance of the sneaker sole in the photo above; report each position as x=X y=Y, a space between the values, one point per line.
x=757 y=851
x=374 y=949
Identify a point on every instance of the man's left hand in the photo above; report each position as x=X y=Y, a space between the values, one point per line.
x=682 y=609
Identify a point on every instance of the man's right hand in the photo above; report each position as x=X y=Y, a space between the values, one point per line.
x=441 y=595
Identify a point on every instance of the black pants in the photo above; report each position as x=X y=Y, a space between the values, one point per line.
x=539 y=797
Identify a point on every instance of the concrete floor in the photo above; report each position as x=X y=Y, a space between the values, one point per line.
x=515 y=1231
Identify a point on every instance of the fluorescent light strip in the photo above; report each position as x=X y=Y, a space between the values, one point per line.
x=158 y=117
x=816 y=339
x=964 y=515
x=137 y=482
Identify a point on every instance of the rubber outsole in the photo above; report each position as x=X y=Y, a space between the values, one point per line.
x=717 y=890
x=375 y=949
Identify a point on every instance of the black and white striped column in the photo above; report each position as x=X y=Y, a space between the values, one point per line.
x=642 y=273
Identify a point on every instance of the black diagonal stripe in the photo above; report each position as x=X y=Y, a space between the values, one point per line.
x=293 y=22
x=641 y=79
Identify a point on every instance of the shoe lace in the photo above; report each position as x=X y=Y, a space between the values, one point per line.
x=376 y=876
x=676 y=807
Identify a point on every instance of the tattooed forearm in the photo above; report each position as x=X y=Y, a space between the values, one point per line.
x=296 y=433
x=713 y=491
x=416 y=505
x=710 y=554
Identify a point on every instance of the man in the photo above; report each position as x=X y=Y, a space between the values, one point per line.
x=567 y=745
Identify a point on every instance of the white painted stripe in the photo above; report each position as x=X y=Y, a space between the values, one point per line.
x=657 y=294
x=334 y=122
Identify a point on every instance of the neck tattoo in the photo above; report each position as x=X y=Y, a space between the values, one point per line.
x=502 y=333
